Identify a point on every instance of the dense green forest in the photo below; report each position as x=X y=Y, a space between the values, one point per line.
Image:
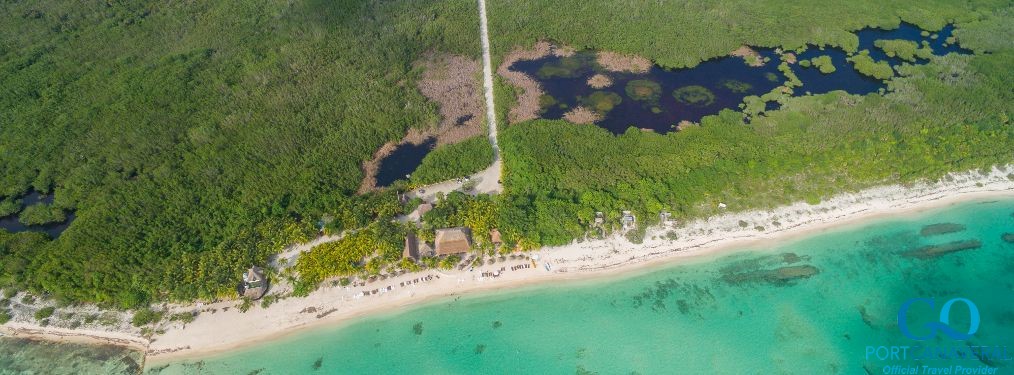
x=456 y=160
x=193 y=139
x=41 y=214
x=676 y=33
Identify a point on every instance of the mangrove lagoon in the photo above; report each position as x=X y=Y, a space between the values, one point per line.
x=661 y=99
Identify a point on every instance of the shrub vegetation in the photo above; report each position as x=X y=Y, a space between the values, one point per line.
x=903 y=49
x=823 y=63
x=696 y=31
x=38 y=214
x=456 y=160
x=867 y=66
x=44 y=312
x=145 y=316
x=9 y=207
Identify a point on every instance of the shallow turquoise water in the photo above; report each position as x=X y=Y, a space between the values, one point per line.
x=23 y=356
x=731 y=314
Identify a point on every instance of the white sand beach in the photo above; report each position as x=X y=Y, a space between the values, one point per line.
x=228 y=328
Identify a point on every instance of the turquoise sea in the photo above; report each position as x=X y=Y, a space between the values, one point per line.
x=814 y=305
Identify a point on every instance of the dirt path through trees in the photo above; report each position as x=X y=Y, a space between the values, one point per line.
x=490 y=178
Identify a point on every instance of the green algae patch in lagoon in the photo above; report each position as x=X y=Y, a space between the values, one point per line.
x=644 y=90
x=658 y=99
x=695 y=95
x=808 y=306
x=601 y=101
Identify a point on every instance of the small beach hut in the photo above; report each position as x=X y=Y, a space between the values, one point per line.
x=628 y=220
x=453 y=241
x=254 y=283
x=494 y=238
x=411 y=247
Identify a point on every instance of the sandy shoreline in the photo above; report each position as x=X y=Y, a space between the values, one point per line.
x=212 y=333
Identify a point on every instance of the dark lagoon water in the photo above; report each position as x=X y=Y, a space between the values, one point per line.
x=847 y=79
x=661 y=98
x=908 y=32
x=806 y=306
x=844 y=78
x=403 y=161
x=11 y=224
x=725 y=83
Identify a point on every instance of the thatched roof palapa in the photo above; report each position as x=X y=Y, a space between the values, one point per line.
x=494 y=237
x=453 y=241
x=411 y=246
